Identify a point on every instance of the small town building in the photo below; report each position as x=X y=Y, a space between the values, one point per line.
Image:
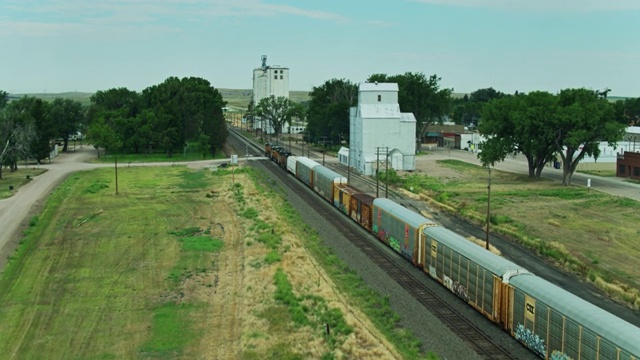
x=628 y=159
x=380 y=135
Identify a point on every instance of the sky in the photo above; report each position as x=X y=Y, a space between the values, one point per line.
x=58 y=46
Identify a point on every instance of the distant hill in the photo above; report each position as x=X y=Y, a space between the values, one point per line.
x=82 y=97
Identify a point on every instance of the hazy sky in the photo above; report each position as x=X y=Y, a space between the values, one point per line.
x=88 y=45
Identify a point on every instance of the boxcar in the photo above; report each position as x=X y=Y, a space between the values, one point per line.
x=468 y=270
x=324 y=180
x=342 y=194
x=304 y=170
x=291 y=164
x=361 y=209
x=557 y=324
x=399 y=227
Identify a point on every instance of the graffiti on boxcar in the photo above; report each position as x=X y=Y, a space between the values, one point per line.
x=342 y=208
x=447 y=282
x=455 y=287
x=460 y=291
x=394 y=243
x=531 y=340
x=558 y=355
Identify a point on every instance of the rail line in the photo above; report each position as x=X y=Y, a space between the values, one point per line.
x=477 y=340
x=454 y=320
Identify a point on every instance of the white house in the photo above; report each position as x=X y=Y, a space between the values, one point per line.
x=379 y=132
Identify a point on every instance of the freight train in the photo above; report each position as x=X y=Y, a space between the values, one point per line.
x=550 y=321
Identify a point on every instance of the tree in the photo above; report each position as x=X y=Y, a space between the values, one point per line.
x=328 y=111
x=467 y=110
x=4 y=98
x=541 y=125
x=583 y=121
x=102 y=135
x=44 y=130
x=628 y=111
x=17 y=132
x=421 y=96
x=520 y=124
x=186 y=108
x=276 y=111
x=67 y=116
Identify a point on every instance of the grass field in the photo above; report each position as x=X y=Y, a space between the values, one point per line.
x=184 y=264
x=590 y=233
x=12 y=181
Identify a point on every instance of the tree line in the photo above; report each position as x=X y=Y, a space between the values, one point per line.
x=28 y=125
x=164 y=117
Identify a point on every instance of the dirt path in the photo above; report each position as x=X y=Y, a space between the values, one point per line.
x=16 y=211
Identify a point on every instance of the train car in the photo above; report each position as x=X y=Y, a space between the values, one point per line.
x=556 y=324
x=342 y=194
x=304 y=170
x=282 y=158
x=472 y=273
x=291 y=164
x=267 y=150
x=399 y=227
x=276 y=150
x=324 y=179
x=361 y=209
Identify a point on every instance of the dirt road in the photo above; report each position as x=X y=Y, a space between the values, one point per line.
x=15 y=211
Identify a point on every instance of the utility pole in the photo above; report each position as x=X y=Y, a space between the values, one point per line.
x=488 y=208
x=386 y=175
x=349 y=166
x=377 y=167
x=115 y=159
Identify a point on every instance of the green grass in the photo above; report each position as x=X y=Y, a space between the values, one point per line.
x=605 y=173
x=92 y=276
x=558 y=222
x=171 y=333
x=17 y=179
x=201 y=243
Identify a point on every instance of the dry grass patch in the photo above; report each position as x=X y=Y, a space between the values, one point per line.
x=556 y=221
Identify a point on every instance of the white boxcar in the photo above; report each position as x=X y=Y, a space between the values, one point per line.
x=291 y=164
x=324 y=180
x=304 y=170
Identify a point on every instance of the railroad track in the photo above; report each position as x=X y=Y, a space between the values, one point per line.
x=454 y=320
x=477 y=340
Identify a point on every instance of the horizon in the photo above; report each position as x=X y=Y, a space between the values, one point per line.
x=509 y=45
